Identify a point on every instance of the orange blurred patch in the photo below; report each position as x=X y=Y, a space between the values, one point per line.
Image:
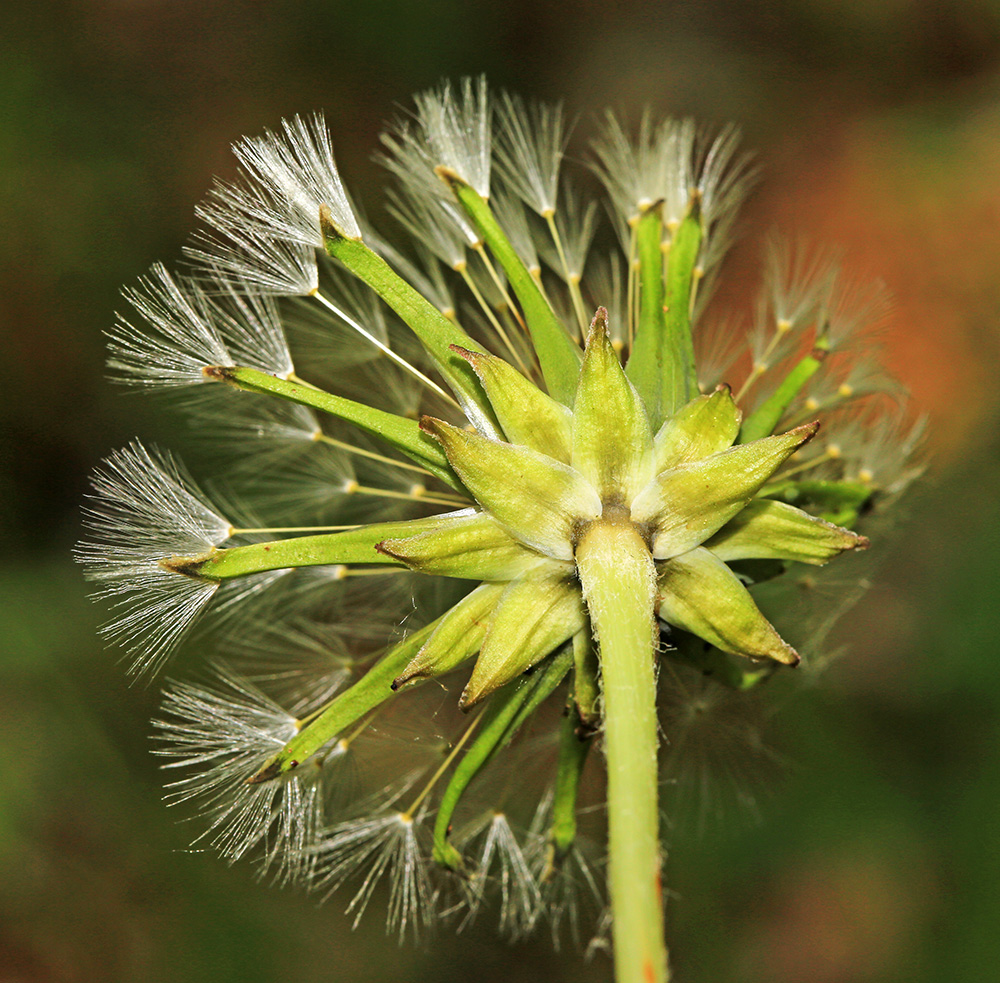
x=918 y=206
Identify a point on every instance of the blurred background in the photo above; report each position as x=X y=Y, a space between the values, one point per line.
x=878 y=128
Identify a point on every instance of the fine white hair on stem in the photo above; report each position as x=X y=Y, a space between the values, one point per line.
x=146 y=510
x=854 y=306
x=656 y=164
x=457 y=128
x=669 y=161
x=436 y=224
x=225 y=732
x=301 y=662
x=724 y=179
x=448 y=131
x=571 y=893
x=251 y=326
x=796 y=287
x=224 y=424
x=179 y=339
x=501 y=868
x=676 y=145
x=269 y=217
x=384 y=845
x=187 y=330
x=530 y=150
x=244 y=251
x=717 y=762
x=296 y=167
x=798 y=279
x=840 y=382
x=511 y=215
x=576 y=223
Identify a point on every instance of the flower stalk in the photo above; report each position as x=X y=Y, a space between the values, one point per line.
x=619 y=585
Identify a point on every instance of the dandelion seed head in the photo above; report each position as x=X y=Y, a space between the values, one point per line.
x=716 y=765
x=244 y=253
x=146 y=510
x=385 y=846
x=296 y=167
x=576 y=222
x=530 y=150
x=437 y=225
x=457 y=126
x=179 y=337
x=501 y=871
x=267 y=221
x=429 y=424
x=572 y=897
x=221 y=734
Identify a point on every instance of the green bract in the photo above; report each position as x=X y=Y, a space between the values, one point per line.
x=466 y=484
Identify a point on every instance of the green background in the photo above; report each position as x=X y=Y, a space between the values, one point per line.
x=878 y=127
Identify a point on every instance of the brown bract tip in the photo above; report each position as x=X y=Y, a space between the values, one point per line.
x=808 y=431
x=431 y=425
x=187 y=566
x=467 y=701
x=449 y=175
x=599 y=325
x=268 y=773
x=329 y=228
x=385 y=550
x=404 y=677
x=465 y=353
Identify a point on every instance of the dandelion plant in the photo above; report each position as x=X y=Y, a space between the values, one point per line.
x=506 y=475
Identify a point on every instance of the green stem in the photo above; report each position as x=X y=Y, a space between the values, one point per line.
x=619 y=585
x=351 y=546
x=558 y=355
x=397 y=431
x=434 y=330
x=586 y=685
x=573 y=750
x=504 y=715
x=681 y=382
x=764 y=419
x=839 y=502
x=648 y=365
x=371 y=690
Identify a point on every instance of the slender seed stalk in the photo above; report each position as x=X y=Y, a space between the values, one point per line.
x=491 y=317
x=619 y=583
x=572 y=282
x=500 y=285
x=386 y=350
x=443 y=767
x=765 y=418
x=343 y=445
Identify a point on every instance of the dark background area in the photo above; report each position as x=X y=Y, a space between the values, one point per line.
x=878 y=129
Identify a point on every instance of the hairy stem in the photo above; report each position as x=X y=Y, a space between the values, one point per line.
x=619 y=583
